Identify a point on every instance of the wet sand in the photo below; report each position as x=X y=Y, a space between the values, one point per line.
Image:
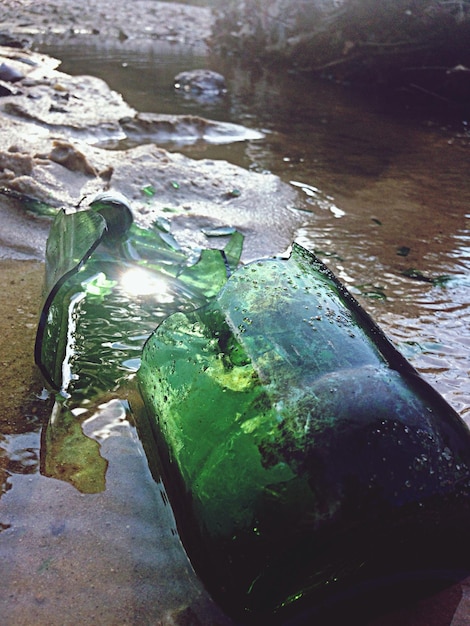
x=21 y=295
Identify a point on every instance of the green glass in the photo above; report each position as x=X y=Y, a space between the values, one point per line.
x=86 y=308
x=302 y=454
x=108 y=284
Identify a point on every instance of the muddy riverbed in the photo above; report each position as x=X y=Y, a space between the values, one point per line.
x=380 y=193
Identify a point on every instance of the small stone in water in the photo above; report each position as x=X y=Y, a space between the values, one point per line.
x=403 y=251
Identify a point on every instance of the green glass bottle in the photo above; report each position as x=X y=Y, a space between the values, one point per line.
x=302 y=454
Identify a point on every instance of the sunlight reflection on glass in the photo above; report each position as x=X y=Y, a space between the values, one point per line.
x=139 y=281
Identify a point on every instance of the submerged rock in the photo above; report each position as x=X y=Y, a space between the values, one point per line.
x=200 y=81
x=184 y=129
x=201 y=85
x=6 y=39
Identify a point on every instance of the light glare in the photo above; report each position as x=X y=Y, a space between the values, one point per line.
x=141 y=282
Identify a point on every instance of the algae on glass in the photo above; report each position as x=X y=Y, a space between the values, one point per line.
x=302 y=454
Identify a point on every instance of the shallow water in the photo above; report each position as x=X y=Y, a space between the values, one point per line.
x=383 y=192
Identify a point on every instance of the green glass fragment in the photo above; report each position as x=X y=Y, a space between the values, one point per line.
x=116 y=210
x=163 y=224
x=147 y=247
x=72 y=238
x=108 y=284
x=208 y=275
x=170 y=241
x=149 y=191
x=439 y=281
x=368 y=290
x=233 y=250
x=106 y=278
x=302 y=454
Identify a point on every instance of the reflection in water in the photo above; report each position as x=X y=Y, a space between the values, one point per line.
x=18 y=455
x=318 y=199
x=68 y=454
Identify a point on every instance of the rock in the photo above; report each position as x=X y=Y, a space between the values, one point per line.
x=6 y=89
x=70 y=157
x=10 y=74
x=56 y=157
x=91 y=22
x=200 y=84
x=6 y=39
x=183 y=130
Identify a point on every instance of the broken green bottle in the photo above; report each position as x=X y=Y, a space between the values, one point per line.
x=303 y=456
